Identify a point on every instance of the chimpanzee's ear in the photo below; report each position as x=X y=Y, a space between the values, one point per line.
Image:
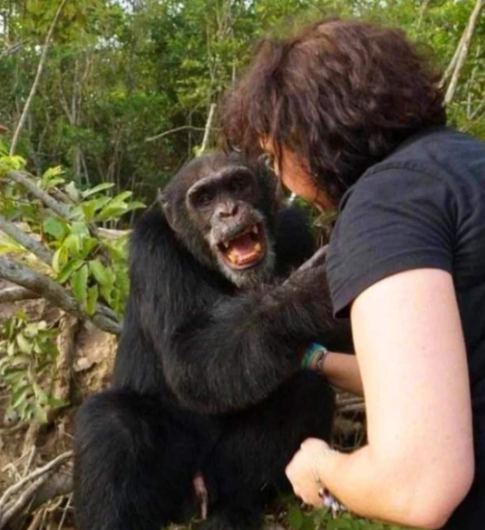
x=165 y=204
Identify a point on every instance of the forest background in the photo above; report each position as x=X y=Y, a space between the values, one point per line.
x=101 y=102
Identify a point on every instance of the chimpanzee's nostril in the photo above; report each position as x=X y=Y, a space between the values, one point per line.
x=228 y=210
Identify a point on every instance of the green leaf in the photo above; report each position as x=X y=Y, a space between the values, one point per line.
x=295 y=517
x=87 y=245
x=111 y=211
x=100 y=272
x=52 y=178
x=79 y=228
x=70 y=267
x=79 y=284
x=24 y=344
x=88 y=208
x=121 y=197
x=12 y=247
x=92 y=300
x=20 y=395
x=55 y=227
x=73 y=243
x=339 y=524
x=72 y=191
x=60 y=258
x=100 y=187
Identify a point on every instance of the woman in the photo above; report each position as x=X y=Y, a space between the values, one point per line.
x=352 y=115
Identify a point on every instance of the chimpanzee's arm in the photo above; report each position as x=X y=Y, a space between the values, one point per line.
x=219 y=351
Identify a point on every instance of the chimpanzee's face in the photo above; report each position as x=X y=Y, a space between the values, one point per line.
x=225 y=206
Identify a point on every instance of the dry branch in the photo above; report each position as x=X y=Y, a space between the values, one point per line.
x=19 y=274
x=208 y=128
x=356 y=407
x=57 y=484
x=24 y=180
x=17 y=294
x=38 y=477
x=38 y=75
x=171 y=131
x=25 y=240
x=462 y=50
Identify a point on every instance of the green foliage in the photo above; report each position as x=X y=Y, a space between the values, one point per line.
x=91 y=265
x=121 y=72
x=28 y=354
x=298 y=518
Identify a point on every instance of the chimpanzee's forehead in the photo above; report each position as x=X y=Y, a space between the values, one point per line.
x=202 y=167
x=216 y=162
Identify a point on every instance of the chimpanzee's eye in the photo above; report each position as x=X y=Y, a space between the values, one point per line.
x=203 y=198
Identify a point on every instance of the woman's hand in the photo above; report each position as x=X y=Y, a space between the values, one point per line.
x=303 y=471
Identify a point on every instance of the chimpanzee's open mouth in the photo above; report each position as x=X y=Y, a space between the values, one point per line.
x=246 y=249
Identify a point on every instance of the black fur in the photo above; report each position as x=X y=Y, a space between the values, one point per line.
x=207 y=379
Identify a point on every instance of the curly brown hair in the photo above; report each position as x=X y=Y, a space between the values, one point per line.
x=341 y=94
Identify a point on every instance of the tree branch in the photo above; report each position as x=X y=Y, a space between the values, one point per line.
x=208 y=127
x=53 y=292
x=40 y=69
x=171 y=131
x=16 y=294
x=463 y=50
x=25 y=240
x=21 y=178
x=32 y=476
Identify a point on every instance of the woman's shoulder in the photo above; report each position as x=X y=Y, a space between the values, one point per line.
x=439 y=152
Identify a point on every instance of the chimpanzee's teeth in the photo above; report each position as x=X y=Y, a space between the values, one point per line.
x=225 y=244
x=255 y=230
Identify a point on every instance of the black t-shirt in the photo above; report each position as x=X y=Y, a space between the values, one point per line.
x=423 y=207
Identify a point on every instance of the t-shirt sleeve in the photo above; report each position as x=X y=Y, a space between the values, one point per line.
x=389 y=222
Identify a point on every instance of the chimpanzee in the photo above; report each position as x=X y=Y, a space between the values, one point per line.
x=208 y=395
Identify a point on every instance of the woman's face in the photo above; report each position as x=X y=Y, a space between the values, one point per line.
x=295 y=176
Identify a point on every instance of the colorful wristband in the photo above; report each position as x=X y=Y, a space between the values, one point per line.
x=313 y=351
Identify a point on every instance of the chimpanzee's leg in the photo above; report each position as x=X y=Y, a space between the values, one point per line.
x=256 y=445
x=134 y=463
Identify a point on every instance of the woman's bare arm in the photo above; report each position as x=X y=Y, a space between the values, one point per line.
x=419 y=463
x=342 y=370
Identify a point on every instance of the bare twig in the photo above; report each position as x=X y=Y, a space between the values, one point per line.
x=36 y=521
x=64 y=512
x=208 y=128
x=422 y=11
x=15 y=488
x=172 y=131
x=12 y=50
x=20 y=502
x=451 y=67
x=356 y=407
x=462 y=51
x=7 y=431
x=17 y=294
x=31 y=454
x=25 y=240
x=342 y=402
x=40 y=69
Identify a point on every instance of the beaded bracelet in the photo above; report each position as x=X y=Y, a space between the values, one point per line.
x=313 y=351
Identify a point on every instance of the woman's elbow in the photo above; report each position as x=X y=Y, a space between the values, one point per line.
x=433 y=502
